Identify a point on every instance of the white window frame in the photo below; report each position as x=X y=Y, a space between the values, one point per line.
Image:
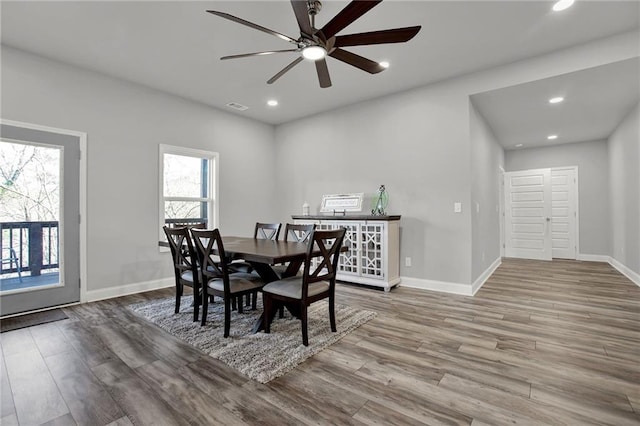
x=213 y=210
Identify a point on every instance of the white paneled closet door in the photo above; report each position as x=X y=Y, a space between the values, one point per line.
x=528 y=214
x=564 y=213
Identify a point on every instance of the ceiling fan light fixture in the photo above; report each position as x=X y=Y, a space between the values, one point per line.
x=562 y=5
x=314 y=53
x=552 y=137
x=556 y=100
x=384 y=64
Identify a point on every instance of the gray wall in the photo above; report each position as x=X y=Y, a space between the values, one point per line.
x=487 y=156
x=125 y=123
x=624 y=161
x=593 y=185
x=417 y=144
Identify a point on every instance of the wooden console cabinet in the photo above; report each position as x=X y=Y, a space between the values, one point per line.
x=373 y=242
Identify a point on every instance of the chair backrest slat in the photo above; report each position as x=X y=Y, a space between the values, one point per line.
x=182 y=251
x=329 y=244
x=298 y=233
x=208 y=244
x=267 y=231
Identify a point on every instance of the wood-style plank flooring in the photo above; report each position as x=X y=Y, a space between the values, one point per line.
x=541 y=343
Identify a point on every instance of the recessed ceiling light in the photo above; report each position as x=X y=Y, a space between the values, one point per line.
x=556 y=100
x=562 y=5
x=272 y=102
x=552 y=137
x=519 y=145
x=384 y=64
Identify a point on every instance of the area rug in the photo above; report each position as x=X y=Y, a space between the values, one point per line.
x=261 y=357
x=29 y=320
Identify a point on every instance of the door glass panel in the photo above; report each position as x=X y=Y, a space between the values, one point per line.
x=30 y=184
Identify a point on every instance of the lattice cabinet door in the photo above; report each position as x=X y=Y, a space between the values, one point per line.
x=372 y=250
x=348 y=263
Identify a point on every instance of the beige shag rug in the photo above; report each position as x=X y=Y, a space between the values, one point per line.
x=261 y=357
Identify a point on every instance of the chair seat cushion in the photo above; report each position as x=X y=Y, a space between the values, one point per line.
x=187 y=276
x=238 y=283
x=292 y=287
x=240 y=266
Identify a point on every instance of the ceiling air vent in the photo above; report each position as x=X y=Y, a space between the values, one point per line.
x=237 y=106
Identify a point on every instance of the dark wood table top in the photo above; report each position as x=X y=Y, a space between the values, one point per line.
x=264 y=251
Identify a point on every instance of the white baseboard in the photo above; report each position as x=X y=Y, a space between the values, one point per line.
x=485 y=276
x=632 y=275
x=441 y=286
x=111 y=292
x=593 y=258
x=449 y=287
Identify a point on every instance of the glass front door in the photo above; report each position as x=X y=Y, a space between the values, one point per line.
x=39 y=219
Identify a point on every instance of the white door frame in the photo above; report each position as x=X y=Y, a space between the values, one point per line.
x=501 y=207
x=82 y=137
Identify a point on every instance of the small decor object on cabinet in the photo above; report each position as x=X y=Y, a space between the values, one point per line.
x=381 y=202
x=305 y=209
x=342 y=203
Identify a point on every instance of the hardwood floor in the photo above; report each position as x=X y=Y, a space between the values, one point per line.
x=541 y=343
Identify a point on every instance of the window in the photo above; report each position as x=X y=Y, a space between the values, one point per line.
x=188 y=187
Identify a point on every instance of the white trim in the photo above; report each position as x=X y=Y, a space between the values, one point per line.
x=478 y=283
x=124 y=290
x=501 y=173
x=82 y=137
x=624 y=270
x=619 y=266
x=594 y=258
x=440 y=286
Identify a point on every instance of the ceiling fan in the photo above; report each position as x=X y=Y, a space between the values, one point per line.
x=316 y=44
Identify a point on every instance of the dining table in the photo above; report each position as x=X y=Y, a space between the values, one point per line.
x=262 y=254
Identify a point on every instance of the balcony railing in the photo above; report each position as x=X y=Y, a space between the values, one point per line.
x=174 y=223
x=36 y=244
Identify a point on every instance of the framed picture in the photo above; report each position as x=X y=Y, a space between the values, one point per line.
x=342 y=203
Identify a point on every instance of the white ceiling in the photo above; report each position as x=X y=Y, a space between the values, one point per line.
x=596 y=100
x=175 y=46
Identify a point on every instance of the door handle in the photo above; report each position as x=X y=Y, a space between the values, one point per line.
x=546 y=225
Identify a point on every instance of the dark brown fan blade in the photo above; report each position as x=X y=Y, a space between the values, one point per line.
x=302 y=15
x=252 y=25
x=284 y=70
x=246 y=55
x=396 y=35
x=346 y=16
x=323 y=73
x=357 y=61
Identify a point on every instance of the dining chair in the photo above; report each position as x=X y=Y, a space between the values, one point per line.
x=185 y=265
x=317 y=282
x=296 y=233
x=266 y=231
x=216 y=278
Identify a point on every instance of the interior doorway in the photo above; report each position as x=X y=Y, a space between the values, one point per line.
x=541 y=213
